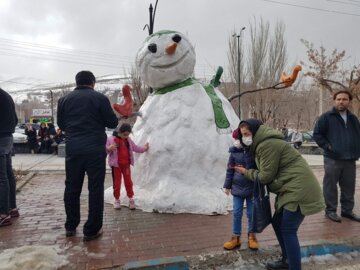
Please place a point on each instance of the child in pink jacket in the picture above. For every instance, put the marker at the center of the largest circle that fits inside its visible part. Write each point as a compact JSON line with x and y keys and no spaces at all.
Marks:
{"x":120,"y":149}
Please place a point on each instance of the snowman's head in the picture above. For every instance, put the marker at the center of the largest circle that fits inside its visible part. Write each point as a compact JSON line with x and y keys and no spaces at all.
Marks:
{"x":166,"y":58}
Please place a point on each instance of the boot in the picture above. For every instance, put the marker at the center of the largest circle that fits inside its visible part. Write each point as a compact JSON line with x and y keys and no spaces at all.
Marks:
{"x":233,"y":243}
{"x":252,"y":241}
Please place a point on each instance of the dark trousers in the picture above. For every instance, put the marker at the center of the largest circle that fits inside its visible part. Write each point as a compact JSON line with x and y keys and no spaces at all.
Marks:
{"x":344,"y":173}
{"x":76,"y":166}
{"x":286,"y":225}
{"x":7,"y":179}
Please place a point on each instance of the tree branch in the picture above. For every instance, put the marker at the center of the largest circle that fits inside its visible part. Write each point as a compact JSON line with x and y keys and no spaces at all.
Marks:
{"x":274,"y":87}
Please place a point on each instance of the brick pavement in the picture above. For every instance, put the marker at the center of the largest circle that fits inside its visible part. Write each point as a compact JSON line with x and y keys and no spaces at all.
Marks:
{"x":135,"y":235}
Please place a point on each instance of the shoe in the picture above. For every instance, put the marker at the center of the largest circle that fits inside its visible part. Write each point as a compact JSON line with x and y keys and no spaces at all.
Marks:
{"x":277,"y":265}
{"x":333,"y":217}
{"x":351,"y":216}
{"x":14,"y":212}
{"x":92,"y":237}
{"x":233,"y":243}
{"x":132,"y":204}
{"x":5,"y":221}
{"x":70,"y":233}
{"x":117,"y":204}
{"x":252,"y":241}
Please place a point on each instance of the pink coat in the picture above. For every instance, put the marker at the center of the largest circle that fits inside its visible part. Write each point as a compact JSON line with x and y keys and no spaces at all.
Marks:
{"x":113,"y":156}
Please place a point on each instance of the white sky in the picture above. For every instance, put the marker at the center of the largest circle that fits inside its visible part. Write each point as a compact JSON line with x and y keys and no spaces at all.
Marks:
{"x":104,"y":36}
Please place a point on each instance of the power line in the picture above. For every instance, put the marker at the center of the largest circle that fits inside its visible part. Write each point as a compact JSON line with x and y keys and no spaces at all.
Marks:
{"x":312,"y":8}
{"x":36,"y":45}
{"x":345,"y":3}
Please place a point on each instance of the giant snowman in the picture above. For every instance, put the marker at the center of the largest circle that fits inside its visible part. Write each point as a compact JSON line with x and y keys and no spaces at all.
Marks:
{"x":188,"y":127}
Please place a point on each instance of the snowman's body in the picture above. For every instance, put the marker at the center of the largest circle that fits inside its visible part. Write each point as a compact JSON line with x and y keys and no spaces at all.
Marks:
{"x":184,"y":169}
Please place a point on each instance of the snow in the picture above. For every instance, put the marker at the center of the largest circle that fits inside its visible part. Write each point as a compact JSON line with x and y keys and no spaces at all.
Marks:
{"x":32,"y":257}
{"x":184,"y":169}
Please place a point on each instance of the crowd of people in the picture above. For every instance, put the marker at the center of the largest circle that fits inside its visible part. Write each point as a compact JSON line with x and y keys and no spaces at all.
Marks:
{"x":45,"y":140}
{"x":259,"y":153}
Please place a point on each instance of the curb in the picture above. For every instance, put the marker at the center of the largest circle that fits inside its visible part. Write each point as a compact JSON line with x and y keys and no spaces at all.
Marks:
{"x":173,"y":263}
{"x":23,"y":182}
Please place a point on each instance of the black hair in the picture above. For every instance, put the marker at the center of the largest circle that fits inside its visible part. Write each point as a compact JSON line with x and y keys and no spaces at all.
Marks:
{"x":343,"y":92}
{"x":125,"y":128}
{"x":85,"y":77}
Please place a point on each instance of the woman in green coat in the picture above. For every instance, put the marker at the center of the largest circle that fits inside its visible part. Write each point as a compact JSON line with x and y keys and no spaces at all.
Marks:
{"x":287,"y":174}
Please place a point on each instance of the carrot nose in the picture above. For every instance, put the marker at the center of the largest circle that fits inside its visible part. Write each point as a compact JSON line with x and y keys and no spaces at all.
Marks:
{"x":171,"y":48}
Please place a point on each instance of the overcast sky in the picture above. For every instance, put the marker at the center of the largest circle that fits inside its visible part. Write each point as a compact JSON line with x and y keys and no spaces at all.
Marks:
{"x":49,"y":41}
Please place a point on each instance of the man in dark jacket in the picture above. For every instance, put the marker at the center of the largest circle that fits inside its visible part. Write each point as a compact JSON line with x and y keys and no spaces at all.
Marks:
{"x":83,"y":115}
{"x":338,"y":132}
{"x":8,"y":121}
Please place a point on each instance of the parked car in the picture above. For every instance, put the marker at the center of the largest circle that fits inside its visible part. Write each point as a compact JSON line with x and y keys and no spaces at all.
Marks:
{"x":307,"y":137}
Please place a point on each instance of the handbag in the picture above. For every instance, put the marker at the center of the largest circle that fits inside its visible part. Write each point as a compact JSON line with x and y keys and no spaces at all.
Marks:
{"x":261,"y":212}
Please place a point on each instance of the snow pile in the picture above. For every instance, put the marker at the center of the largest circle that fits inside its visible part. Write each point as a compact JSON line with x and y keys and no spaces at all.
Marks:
{"x":32,"y":257}
{"x":184,"y":170}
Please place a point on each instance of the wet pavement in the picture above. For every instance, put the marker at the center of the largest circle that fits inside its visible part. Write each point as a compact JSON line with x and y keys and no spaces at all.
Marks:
{"x":135,"y":235}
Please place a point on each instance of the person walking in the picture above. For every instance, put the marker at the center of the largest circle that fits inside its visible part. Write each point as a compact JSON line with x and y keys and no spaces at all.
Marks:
{"x":83,"y":114}
{"x":337,"y":132}
{"x":286,"y":174}
{"x":241,"y":189}
{"x":8,"y":122}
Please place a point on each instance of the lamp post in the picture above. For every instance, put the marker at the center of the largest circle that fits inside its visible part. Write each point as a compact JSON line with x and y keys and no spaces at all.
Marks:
{"x":238,"y":36}
{"x":52,"y":106}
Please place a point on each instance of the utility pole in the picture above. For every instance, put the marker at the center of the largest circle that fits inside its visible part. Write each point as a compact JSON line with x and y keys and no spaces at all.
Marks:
{"x":239,"y":67}
{"x":52,"y":106}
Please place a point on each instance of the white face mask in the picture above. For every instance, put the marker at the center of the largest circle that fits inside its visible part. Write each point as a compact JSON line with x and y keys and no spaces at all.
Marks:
{"x":247,"y":140}
{"x":237,"y":144}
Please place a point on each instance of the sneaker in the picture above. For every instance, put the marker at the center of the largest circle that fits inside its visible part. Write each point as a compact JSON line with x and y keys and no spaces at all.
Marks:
{"x":132,"y":204}
{"x":117,"y":204}
{"x":5,"y":220}
{"x":14,"y":212}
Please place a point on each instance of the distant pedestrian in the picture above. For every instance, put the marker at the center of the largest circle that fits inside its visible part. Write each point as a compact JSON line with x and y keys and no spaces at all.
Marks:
{"x":287,"y":174}
{"x":120,"y":149}
{"x":43,"y":137}
{"x":241,"y":189}
{"x":83,"y":114}
{"x":297,"y":138}
{"x":8,"y":122}
{"x":30,"y":132}
{"x":338,"y":133}
{"x":285,"y":131}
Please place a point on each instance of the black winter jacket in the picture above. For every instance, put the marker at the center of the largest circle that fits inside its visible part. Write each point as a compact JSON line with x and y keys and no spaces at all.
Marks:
{"x":238,"y":183}
{"x":8,"y":118}
{"x":83,"y":114}
{"x":340,"y":141}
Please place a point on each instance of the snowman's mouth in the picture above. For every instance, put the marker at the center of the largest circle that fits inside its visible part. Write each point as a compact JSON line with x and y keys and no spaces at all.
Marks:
{"x":171,"y":64}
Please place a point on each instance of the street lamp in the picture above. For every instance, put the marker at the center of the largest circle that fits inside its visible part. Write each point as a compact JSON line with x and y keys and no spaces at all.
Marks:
{"x":238,"y":64}
{"x":52,"y":106}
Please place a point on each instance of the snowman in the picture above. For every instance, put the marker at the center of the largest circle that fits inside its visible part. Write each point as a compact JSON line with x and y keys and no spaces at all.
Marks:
{"x":188,"y":127}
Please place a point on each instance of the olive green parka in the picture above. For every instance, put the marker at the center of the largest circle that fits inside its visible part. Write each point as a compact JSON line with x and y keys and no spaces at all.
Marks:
{"x":286,"y":173}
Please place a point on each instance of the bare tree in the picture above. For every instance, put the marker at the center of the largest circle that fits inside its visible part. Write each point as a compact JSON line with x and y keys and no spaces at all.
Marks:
{"x":325,"y":70}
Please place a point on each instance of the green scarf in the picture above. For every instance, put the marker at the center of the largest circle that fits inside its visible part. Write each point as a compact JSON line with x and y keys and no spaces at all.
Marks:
{"x":221,"y":121}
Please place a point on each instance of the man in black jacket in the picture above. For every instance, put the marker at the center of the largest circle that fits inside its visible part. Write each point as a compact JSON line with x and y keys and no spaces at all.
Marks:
{"x":83,"y":115}
{"x":8,"y":121}
{"x":338,"y":133}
